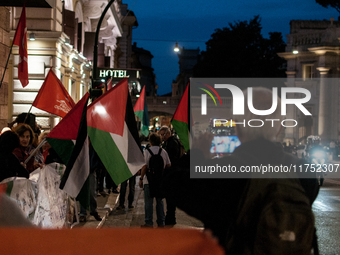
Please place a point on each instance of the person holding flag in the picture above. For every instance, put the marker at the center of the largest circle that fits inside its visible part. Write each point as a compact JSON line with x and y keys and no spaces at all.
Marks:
{"x":26,"y":138}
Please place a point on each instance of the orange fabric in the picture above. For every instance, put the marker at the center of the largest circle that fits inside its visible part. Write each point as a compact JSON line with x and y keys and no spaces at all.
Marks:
{"x":107,"y":241}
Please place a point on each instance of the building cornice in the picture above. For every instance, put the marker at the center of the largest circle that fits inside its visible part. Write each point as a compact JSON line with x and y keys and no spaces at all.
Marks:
{"x":324,"y":49}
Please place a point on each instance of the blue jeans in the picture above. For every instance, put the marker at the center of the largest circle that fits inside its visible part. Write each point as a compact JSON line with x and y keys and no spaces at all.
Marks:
{"x":149,"y":208}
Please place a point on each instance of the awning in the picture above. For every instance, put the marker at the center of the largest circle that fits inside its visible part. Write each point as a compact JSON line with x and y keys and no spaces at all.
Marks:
{"x":30,"y":3}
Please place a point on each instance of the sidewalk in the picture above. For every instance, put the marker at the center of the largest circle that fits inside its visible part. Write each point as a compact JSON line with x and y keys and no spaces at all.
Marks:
{"x":135,"y":217}
{"x":105,"y":206}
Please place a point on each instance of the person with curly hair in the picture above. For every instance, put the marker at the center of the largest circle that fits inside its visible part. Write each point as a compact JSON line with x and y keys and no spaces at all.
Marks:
{"x":22,"y":152}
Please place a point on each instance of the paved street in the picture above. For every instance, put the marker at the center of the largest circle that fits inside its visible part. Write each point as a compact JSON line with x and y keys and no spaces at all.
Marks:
{"x":327,"y":216}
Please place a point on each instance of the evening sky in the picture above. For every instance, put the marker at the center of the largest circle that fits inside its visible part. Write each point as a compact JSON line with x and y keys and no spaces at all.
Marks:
{"x":191,"y":23}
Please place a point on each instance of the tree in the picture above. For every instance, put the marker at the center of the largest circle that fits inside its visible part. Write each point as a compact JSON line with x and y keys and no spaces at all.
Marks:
{"x":332,"y":3}
{"x":240,"y":50}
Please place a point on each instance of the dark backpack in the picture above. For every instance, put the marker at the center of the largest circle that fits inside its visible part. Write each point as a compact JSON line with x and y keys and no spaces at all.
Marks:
{"x":274,"y":217}
{"x":154,"y":173}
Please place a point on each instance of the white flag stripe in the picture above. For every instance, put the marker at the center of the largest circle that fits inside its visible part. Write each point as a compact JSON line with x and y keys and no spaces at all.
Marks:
{"x":79,"y":172}
{"x":129,"y":149}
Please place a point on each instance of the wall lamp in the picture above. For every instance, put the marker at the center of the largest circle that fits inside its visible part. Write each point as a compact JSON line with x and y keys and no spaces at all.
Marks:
{"x":32,"y":36}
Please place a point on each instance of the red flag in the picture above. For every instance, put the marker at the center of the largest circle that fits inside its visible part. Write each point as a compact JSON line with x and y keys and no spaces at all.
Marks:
{"x":20,"y":39}
{"x":53,"y":97}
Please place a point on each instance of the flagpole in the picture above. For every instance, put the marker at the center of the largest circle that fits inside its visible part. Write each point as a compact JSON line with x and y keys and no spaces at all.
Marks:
{"x":3,"y":75}
{"x":35,"y":150}
{"x":28,"y":113}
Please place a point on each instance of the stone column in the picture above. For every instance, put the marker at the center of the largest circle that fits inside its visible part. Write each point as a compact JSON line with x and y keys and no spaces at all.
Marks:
{"x":325,"y":105}
{"x":290,"y":135}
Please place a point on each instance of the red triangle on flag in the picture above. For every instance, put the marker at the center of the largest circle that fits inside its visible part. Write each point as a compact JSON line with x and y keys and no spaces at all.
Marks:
{"x":53,"y":97}
{"x":181,"y":113}
{"x":68,"y":127}
{"x":107,"y":113}
{"x":139,"y":106}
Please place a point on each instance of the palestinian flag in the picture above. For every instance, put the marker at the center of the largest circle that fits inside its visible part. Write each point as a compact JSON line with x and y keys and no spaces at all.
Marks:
{"x":141,"y":110}
{"x":113,"y":133}
{"x":180,"y":120}
{"x":69,"y":140}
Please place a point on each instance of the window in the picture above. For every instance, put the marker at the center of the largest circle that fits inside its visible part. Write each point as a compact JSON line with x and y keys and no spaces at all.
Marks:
{"x":72,"y":89}
{"x":307,"y":71}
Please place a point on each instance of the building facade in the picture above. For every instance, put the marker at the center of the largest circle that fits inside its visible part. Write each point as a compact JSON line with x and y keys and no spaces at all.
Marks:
{"x":4,"y":51}
{"x":313,"y":62}
{"x":62,"y":39}
{"x":188,"y":58}
{"x":141,"y":59}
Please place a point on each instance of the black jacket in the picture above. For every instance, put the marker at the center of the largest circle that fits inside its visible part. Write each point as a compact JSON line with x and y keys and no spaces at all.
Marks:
{"x":11,"y":167}
{"x":215,"y":201}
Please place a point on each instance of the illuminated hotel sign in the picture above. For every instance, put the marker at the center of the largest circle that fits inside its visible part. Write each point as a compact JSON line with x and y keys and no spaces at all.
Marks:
{"x":119,"y":73}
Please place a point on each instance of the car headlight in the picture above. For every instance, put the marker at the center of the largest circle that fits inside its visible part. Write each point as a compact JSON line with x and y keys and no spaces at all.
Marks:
{"x":319,"y":154}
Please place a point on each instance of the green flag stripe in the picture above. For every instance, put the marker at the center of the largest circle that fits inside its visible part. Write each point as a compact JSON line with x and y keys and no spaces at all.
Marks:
{"x":140,"y":114}
{"x":63,"y":147}
{"x":182,"y":130}
{"x":9,"y":188}
{"x":144,"y":128}
{"x":109,"y":154}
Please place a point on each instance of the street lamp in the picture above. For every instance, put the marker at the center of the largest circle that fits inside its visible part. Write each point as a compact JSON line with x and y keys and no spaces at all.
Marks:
{"x":177,"y":49}
{"x":95,"y":51}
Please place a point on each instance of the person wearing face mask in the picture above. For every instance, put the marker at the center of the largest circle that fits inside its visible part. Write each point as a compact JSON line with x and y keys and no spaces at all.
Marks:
{"x":22,"y":152}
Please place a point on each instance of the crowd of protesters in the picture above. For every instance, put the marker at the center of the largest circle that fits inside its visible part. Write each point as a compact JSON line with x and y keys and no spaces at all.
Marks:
{"x":19,"y":157}
{"x":243,"y":205}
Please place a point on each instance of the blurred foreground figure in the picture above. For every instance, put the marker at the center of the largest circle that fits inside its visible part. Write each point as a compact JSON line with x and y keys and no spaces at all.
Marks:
{"x":249,"y":215}
{"x":11,"y":215}
{"x":9,"y":164}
